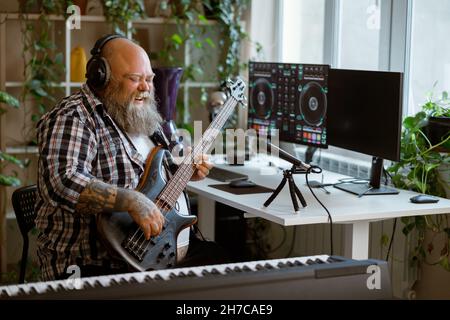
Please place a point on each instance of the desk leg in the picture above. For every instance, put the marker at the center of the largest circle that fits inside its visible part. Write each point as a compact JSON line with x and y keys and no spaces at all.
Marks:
{"x":207,"y":217}
{"x":356,"y":244}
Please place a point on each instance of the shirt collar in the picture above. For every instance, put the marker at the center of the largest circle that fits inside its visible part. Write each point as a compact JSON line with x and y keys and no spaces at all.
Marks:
{"x":92,"y":99}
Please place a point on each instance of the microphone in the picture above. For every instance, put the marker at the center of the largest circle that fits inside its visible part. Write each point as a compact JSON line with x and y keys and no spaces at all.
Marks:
{"x":288,"y":157}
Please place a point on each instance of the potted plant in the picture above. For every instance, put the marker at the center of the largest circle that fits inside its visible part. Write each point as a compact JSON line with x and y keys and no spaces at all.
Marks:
{"x":419,"y":170}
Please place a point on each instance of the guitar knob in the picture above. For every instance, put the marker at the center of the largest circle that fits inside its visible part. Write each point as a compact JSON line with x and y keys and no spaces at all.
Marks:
{"x":172,"y":254}
{"x":167,"y":246}
{"x":161,"y":255}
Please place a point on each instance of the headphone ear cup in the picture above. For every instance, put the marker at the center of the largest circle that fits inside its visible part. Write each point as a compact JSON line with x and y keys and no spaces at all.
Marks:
{"x":98,"y":72}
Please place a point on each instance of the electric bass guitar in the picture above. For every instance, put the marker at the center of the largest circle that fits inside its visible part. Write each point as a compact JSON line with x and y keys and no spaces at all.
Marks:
{"x":123,"y":237}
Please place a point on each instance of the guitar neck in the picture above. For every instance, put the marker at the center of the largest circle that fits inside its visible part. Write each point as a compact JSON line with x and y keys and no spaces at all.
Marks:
{"x":186,"y":169}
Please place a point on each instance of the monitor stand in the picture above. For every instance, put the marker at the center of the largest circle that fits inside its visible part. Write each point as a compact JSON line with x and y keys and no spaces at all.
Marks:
{"x":374,"y":186}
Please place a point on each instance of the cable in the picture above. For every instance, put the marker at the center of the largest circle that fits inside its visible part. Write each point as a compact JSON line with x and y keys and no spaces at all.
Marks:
{"x":392,"y":239}
{"x":317,"y":169}
{"x":282,"y":241}
{"x":294,"y":235}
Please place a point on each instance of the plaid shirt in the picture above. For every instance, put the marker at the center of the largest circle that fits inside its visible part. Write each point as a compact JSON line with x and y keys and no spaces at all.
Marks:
{"x":78,"y":141}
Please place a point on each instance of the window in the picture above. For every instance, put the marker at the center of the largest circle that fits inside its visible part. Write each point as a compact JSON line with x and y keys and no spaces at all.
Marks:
{"x":302,"y":31}
{"x":430,"y":51}
{"x":360,"y":26}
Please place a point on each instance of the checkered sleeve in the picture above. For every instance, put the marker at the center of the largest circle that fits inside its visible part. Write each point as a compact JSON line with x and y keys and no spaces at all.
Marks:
{"x":67,"y":149}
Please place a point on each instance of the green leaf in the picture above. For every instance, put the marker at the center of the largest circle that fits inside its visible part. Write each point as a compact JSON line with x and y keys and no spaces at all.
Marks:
{"x":7,"y":157}
{"x":198,"y":44}
{"x":9,"y":181}
{"x":408,"y":228}
{"x":384,"y":241}
{"x":210,"y":42}
{"x":176,"y":38}
{"x":8,"y":99}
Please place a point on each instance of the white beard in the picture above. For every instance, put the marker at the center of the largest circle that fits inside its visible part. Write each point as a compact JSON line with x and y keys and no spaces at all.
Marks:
{"x":132,"y":118}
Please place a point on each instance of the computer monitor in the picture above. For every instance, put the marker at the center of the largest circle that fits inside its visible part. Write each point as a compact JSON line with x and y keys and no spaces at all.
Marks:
{"x":365,"y":115}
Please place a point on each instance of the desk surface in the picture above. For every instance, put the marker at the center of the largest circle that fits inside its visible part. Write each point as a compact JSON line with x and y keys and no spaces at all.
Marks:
{"x":344,"y":207}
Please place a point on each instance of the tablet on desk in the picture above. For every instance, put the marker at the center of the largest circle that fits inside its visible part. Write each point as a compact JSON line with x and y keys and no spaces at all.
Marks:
{"x":225,"y":175}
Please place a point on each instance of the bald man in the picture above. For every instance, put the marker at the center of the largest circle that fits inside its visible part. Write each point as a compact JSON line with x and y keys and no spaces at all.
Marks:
{"x":93,"y":146}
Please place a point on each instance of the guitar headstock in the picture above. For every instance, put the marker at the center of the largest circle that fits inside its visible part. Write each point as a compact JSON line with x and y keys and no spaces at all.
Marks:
{"x":236,"y":89}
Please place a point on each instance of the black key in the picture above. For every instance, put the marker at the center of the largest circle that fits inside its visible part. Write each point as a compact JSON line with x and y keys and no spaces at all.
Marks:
{"x":158,"y":277}
{"x":228,"y":270}
{"x":246,"y":268}
{"x":281,"y":265}
{"x":182,"y":274}
{"x":259,"y":267}
{"x":133,"y":280}
{"x":237,"y":269}
{"x":205,"y":272}
{"x":113,"y":282}
{"x":97,"y":284}
{"x":215,"y":271}
{"x":148,"y":279}
{"x":298,"y":263}
{"x":269,"y":266}
{"x":309,"y":261}
{"x":319,"y":261}
{"x":172,"y":275}
{"x":290,"y":263}
{"x":191,"y":274}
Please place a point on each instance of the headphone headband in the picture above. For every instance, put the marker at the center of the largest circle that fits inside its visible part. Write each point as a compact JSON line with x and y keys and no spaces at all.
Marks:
{"x":100,"y":43}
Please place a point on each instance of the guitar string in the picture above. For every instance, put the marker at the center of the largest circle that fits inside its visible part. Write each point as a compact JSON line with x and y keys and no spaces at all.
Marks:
{"x":171,"y":191}
{"x":185,"y":174}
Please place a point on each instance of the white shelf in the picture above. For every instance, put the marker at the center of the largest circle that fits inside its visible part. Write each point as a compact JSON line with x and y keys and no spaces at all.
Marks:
{"x":19,"y":84}
{"x":199,"y":84}
{"x":88,"y":18}
{"x":22,"y":150}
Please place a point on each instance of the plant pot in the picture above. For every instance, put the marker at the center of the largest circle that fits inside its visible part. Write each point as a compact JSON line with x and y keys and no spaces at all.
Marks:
{"x":166,"y":82}
{"x":437,"y":129}
{"x":82,"y":4}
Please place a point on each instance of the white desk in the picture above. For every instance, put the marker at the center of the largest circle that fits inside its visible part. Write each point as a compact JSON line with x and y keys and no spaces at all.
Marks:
{"x":345,"y":208}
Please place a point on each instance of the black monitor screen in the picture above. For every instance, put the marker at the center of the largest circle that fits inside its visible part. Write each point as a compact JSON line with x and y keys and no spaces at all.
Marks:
{"x":365,"y":111}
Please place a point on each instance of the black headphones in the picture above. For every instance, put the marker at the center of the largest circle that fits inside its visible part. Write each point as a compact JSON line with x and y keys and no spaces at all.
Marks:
{"x":98,"y":71}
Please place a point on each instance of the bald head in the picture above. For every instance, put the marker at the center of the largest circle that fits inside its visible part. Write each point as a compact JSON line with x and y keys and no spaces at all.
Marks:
{"x":126,"y":57}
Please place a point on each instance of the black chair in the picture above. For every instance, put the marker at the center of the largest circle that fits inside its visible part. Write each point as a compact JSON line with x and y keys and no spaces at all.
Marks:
{"x":23,"y":200}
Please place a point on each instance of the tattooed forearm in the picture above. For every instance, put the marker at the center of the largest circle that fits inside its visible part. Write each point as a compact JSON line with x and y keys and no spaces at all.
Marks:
{"x":97,"y":197}
{"x":102,"y":197}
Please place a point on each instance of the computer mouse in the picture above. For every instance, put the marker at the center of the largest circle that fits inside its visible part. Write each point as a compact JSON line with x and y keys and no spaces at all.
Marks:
{"x":242,"y":184}
{"x":423,"y":198}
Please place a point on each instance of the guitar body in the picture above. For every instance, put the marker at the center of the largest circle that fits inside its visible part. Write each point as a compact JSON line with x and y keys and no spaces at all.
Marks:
{"x":126,"y":240}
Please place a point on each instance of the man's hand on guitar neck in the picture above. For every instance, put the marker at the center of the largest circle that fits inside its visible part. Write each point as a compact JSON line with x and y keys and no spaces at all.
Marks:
{"x":202,"y":167}
{"x":98,"y":197}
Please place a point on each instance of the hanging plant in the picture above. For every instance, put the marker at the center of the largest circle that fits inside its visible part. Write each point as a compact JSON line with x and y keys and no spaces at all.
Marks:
{"x":120,"y":12}
{"x":42,"y":60}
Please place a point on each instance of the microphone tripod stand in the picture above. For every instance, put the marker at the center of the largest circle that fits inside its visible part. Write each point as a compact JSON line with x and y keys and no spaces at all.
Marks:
{"x":294,"y":190}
